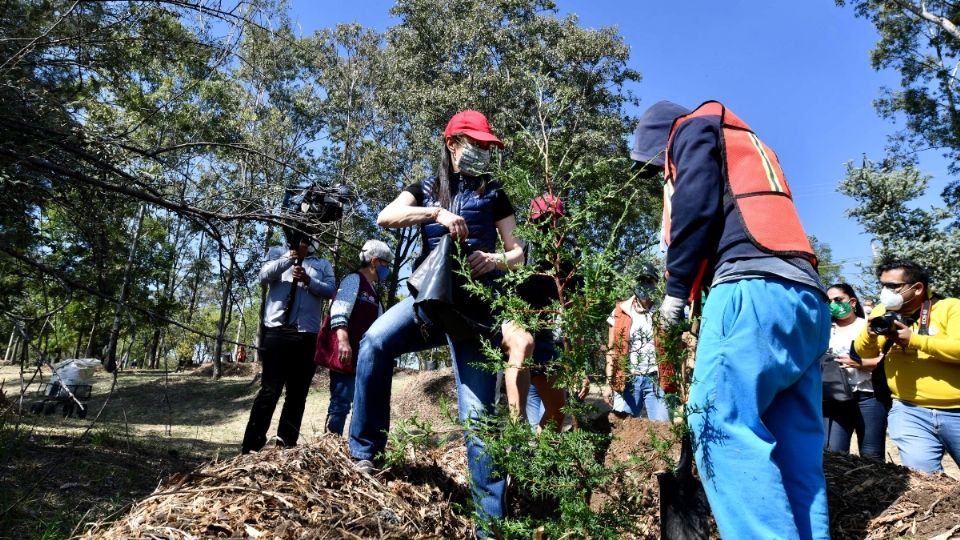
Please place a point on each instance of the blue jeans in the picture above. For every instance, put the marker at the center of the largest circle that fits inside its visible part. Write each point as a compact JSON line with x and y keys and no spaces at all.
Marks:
{"x":863,"y":415}
{"x":394,"y":333}
{"x":535,"y":407}
{"x":341,"y":397}
{"x":755,"y":409}
{"x":642,"y":393}
{"x":922,"y":435}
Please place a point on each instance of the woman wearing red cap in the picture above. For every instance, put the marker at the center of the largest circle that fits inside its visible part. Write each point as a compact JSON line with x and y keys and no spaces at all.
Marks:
{"x":463,"y":201}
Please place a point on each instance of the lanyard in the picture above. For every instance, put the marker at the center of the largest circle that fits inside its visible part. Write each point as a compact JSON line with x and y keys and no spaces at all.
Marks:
{"x":925,"y":318}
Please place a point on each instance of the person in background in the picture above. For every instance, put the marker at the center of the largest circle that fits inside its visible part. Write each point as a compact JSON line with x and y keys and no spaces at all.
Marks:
{"x":539,"y":291}
{"x":461,"y":200}
{"x":754,"y":407}
{"x":921,"y":354}
{"x":863,"y":415}
{"x":636,"y":390}
{"x":354,"y":309}
{"x":291,"y":320}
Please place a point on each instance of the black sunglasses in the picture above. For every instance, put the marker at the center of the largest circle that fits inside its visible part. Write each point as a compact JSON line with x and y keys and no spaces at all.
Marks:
{"x":892,"y":285}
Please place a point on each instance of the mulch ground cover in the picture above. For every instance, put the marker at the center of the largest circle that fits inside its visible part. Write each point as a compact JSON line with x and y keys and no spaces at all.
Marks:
{"x":311,"y":491}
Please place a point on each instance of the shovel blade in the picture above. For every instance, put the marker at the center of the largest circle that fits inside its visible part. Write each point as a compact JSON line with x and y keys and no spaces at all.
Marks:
{"x":684,"y":510}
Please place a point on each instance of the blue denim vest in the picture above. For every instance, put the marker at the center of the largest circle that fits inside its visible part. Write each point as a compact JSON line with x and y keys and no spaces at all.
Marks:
{"x":475,"y":208}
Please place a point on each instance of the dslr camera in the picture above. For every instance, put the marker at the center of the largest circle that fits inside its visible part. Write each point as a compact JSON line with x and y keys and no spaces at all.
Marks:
{"x":884,"y":325}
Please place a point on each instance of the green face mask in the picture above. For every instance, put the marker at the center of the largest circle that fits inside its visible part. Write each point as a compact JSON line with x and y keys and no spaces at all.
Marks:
{"x":839,"y":310}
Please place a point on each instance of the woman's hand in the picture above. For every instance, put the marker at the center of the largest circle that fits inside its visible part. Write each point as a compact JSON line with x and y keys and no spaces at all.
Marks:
{"x":845,"y":361}
{"x":482,"y":262}
{"x":454,"y":223}
{"x":345,"y":351}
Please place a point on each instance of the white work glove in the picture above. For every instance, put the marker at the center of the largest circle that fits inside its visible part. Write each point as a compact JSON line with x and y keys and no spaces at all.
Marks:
{"x":671,"y":311}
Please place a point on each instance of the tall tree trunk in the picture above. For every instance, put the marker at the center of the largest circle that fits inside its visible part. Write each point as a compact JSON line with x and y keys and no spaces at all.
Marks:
{"x":17,"y":343}
{"x":151,"y":353}
{"x":406,"y":238}
{"x":6,"y":353}
{"x":225,"y":302}
{"x":111,"y":357}
{"x":92,"y":341}
{"x":155,"y":361}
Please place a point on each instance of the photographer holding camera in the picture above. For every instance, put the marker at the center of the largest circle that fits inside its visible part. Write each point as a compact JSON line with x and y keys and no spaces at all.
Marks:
{"x":298,"y":282}
{"x":919,"y":336}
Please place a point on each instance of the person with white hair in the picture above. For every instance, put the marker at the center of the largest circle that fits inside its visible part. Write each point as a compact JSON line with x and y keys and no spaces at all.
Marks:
{"x":354,"y":309}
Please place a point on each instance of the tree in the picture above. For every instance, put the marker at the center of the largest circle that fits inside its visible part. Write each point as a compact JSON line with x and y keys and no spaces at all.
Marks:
{"x":922,"y":42}
{"x":883,"y":195}
{"x":556,"y":93}
{"x":830,"y":272}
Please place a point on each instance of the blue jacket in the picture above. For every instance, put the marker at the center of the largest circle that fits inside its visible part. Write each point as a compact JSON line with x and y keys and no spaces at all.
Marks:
{"x":705,"y":222}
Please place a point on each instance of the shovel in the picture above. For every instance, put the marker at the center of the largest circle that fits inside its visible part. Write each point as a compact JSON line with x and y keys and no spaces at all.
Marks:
{"x":684,"y":511}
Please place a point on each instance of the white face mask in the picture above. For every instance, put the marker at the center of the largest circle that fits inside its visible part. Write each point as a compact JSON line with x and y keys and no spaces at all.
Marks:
{"x":891,"y":300}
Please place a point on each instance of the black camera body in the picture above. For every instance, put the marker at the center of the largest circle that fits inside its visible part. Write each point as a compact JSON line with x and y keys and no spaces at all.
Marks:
{"x":884,"y":325}
{"x":306,"y":210}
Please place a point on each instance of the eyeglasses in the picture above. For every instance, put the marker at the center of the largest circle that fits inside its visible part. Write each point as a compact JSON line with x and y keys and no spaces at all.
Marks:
{"x":892,"y":286}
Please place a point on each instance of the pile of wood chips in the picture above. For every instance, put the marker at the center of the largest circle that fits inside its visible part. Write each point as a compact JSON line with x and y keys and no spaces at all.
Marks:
{"x":310,"y":491}
{"x":873,"y":500}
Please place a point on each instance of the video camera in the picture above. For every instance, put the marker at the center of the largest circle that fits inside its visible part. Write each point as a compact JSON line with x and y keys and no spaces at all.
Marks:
{"x":305,"y":210}
{"x":884,"y":325}
{"x":303,"y":213}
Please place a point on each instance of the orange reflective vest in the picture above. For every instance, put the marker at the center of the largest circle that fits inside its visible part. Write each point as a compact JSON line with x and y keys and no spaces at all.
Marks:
{"x":754,"y":181}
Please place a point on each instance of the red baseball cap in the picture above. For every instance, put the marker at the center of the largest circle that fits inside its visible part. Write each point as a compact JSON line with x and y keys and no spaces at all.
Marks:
{"x":473,"y":124}
{"x":546,"y":204}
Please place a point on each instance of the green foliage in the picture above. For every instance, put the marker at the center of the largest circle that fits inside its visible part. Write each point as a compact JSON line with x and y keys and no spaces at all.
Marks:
{"x":925,"y":52}
{"x":830,"y":272}
{"x":407,"y":436}
{"x":886,"y":208}
{"x":557,"y":473}
{"x":921,"y":41}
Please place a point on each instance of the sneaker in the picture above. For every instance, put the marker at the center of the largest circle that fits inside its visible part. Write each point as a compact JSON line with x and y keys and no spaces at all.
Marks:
{"x":365,"y":466}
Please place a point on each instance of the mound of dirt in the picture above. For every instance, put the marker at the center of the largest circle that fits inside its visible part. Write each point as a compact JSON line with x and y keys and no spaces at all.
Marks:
{"x":422,"y":393}
{"x":310,"y":491}
{"x":229,"y":369}
{"x":867,"y":499}
{"x":643,"y":448}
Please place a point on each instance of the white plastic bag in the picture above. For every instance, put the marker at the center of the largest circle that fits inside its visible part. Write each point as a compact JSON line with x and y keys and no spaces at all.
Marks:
{"x":75,"y":371}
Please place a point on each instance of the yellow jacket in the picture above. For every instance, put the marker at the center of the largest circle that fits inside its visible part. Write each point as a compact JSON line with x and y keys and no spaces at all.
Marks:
{"x":927,"y":371}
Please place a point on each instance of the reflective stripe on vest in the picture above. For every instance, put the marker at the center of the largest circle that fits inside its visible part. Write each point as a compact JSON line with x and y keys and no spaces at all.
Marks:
{"x":755,"y":181}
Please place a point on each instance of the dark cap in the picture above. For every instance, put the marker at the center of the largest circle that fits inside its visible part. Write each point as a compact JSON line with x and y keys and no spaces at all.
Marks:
{"x":650,"y":137}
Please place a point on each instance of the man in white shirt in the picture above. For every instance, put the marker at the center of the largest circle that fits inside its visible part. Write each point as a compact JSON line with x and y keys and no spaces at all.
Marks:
{"x":636,"y":389}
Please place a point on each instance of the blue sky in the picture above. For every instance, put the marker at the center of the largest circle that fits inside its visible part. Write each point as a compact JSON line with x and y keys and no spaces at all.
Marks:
{"x":798,"y":72}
